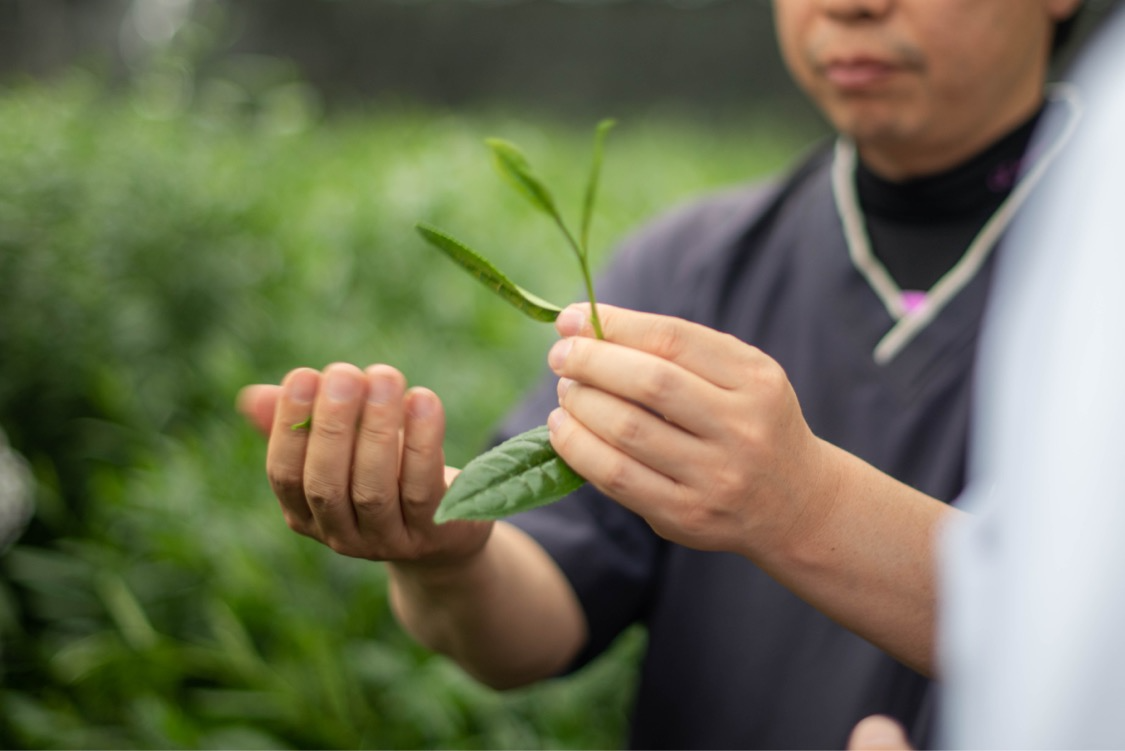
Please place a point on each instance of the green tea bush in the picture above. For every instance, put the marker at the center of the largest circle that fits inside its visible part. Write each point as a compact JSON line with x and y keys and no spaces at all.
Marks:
{"x":151,"y":266}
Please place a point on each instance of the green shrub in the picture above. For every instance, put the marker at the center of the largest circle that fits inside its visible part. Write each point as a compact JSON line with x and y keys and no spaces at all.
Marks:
{"x":150,"y":267}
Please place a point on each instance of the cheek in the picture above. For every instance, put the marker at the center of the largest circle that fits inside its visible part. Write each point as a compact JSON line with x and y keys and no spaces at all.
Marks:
{"x":791,"y":26}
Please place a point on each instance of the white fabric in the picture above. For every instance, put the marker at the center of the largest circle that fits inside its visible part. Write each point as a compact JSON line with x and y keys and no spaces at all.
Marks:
{"x":1033,"y":619}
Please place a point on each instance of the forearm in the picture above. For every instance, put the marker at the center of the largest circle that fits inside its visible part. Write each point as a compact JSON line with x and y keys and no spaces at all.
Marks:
{"x":508,"y":616}
{"x":868,"y":561}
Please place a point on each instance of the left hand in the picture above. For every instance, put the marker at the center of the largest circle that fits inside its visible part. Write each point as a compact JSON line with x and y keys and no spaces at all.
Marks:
{"x":696,"y":431}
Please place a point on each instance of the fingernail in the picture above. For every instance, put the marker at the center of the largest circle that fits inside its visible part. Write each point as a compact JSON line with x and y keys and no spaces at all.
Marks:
{"x":380,"y":391}
{"x":421,"y":405}
{"x":557,"y":356}
{"x":340,"y":387}
{"x":556,"y":419}
{"x":564,"y":386}
{"x":571,"y":322}
{"x":301,"y":388}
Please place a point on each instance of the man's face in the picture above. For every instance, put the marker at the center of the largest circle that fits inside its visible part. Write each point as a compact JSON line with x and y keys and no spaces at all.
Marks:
{"x":920,"y":84}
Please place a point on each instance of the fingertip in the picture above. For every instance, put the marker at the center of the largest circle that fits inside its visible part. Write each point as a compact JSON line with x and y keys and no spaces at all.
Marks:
{"x":384,"y":384}
{"x":422,"y":403}
{"x":572,"y":320}
{"x":556,"y":419}
{"x":344,"y":383}
{"x":878,"y":733}
{"x":257,"y":403}
{"x":300,"y":385}
{"x":556,"y":357}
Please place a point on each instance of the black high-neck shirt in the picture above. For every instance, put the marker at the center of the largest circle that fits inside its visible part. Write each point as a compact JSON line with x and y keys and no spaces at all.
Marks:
{"x":950,"y":208}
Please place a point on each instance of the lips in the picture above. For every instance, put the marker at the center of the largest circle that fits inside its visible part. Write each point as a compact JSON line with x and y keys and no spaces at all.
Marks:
{"x":859,"y":74}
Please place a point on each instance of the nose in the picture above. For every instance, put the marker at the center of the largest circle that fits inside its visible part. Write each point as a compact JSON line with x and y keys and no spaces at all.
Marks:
{"x":855,"y":10}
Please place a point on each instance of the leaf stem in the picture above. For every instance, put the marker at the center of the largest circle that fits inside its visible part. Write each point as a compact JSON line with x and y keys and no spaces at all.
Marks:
{"x":580,"y":252}
{"x":595,"y":321}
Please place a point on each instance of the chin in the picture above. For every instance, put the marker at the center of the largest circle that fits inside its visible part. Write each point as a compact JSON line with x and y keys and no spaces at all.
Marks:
{"x":877,"y":123}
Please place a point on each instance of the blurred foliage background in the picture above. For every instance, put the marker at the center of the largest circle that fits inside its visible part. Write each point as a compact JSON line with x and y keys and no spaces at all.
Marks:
{"x":181,"y":216}
{"x":196,"y":195}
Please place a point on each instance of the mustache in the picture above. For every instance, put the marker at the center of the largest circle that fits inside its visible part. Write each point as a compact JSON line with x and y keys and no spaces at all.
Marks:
{"x":897,"y":52}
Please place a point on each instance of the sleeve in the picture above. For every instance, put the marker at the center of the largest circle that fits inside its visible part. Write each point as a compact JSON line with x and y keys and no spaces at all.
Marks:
{"x":610,"y":555}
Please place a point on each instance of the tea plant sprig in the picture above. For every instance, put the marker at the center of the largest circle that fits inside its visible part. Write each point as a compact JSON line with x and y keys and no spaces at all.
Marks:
{"x":525,"y":471}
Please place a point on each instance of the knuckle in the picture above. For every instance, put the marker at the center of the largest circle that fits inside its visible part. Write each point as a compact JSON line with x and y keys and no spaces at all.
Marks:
{"x":654,"y":386}
{"x":422,"y":447}
{"x":696,"y":519}
{"x":752,"y":438}
{"x":727,"y":482}
{"x":768,"y":375}
{"x":627,"y":430}
{"x":665,"y":339}
{"x":285,"y":482}
{"x":378,"y":433}
{"x":331,"y":428}
{"x":321,"y":494}
{"x":370,"y":497}
{"x":416,"y":490}
{"x":616,"y":477}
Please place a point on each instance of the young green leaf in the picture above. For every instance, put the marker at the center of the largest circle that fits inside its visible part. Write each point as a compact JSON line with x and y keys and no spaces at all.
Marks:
{"x":604,"y":127}
{"x":531,"y":305}
{"x":524,"y":472}
{"x":513,"y":165}
{"x":520,"y":474}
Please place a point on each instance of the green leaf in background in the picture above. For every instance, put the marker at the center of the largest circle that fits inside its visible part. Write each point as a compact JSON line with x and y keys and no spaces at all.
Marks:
{"x":531,"y":305}
{"x":515,"y":168}
{"x":520,"y":474}
{"x":604,"y":127}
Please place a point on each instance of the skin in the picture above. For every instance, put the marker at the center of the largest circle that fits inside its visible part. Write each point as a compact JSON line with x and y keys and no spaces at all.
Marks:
{"x":878,"y":733}
{"x":705,"y":439}
{"x":365,"y":480}
{"x":697,"y":432}
{"x":920,"y":85}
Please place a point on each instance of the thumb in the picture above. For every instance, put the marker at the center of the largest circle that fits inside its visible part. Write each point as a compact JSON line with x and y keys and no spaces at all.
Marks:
{"x":876,"y":733}
{"x":257,"y":403}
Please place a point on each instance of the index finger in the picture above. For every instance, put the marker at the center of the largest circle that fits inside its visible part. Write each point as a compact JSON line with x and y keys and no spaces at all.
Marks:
{"x":714,"y":356}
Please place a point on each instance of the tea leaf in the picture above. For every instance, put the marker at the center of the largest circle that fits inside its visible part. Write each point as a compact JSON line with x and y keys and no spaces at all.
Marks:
{"x":604,"y":127}
{"x":513,"y":165}
{"x":520,"y":474}
{"x":531,"y":305}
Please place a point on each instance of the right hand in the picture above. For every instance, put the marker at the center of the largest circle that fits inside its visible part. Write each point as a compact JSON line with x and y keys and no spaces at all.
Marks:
{"x":366,"y":476}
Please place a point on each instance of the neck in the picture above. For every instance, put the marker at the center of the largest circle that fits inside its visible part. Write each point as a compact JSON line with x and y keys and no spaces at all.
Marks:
{"x":901,"y":160}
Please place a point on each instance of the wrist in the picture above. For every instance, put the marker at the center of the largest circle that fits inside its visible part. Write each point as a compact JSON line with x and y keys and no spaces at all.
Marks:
{"x":802,"y":539}
{"x":444,"y":571}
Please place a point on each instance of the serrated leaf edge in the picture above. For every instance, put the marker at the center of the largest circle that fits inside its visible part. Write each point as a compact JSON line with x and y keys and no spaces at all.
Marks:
{"x":538,"y":459}
{"x":486,"y":273}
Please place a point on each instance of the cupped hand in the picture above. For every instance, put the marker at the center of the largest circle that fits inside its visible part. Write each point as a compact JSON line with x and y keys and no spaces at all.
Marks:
{"x":698,"y":432}
{"x":366,"y":474}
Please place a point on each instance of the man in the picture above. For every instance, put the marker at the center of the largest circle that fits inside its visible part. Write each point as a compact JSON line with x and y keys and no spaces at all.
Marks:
{"x":757,"y":490}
